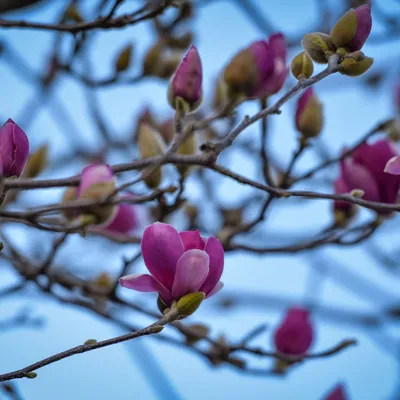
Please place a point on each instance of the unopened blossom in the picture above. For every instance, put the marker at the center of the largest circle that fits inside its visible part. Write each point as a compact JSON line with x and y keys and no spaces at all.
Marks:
{"x":295,"y":333}
{"x":302,"y":66}
{"x":124,"y":221}
{"x":309,"y":114}
{"x":318,"y":46}
{"x":187,"y":82}
{"x":179,"y":263}
{"x":259,"y":70}
{"x":98,"y":182}
{"x":353,"y":29}
{"x":365,"y":170}
{"x":337,"y":393}
{"x":14,"y":149}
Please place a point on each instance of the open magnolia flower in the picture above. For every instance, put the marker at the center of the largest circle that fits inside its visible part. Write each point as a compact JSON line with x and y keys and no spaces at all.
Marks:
{"x":179,"y":263}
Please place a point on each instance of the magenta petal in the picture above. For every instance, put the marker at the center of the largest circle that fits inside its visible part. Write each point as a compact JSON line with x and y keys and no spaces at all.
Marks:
{"x":191,"y":272}
{"x":393,"y":166}
{"x":161,"y":248}
{"x":188,"y":78}
{"x":145,"y":283}
{"x":263,"y":58}
{"x":215,"y":290}
{"x":124,"y":221}
{"x":278,"y":46}
{"x":295,"y":334}
{"x":302,"y":102}
{"x":338,"y":393}
{"x":95,"y":173}
{"x":357,"y":176}
{"x":364,"y":26}
{"x":375,"y":157}
{"x":192,"y":240}
{"x":341,"y":188}
{"x":14,"y":149}
{"x":216,"y":253}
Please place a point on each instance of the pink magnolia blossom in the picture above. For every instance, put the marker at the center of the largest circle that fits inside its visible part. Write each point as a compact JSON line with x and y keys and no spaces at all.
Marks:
{"x":274,"y":81}
{"x":94,"y":174}
{"x":188,"y":80}
{"x":14,"y":149}
{"x":124,"y":221}
{"x":364,"y":26}
{"x":337,"y":393}
{"x":179,"y":263}
{"x":371,"y":168}
{"x":295,"y":334}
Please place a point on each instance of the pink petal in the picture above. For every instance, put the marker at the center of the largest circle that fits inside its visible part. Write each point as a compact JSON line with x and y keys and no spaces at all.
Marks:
{"x":14,"y":149}
{"x":124,"y":221}
{"x":188,"y":78}
{"x":192,"y":240}
{"x":216,"y":289}
{"x":375,"y":157}
{"x":191,"y":272}
{"x":302,"y":103}
{"x":341,"y":188}
{"x":215,"y":251}
{"x":278,"y":46}
{"x":95,"y":173}
{"x":264,"y":59}
{"x":161,"y":248}
{"x":145,"y":283}
{"x":393,"y":166}
{"x":295,"y":334}
{"x":357,"y":176}
{"x":338,"y":393}
{"x":364,"y":26}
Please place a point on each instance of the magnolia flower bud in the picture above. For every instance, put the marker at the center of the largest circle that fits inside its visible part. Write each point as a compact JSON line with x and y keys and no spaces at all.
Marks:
{"x":241,"y":75}
{"x":180,"y":42}
{"x":14,"y":149}
{"x":186,"y":84}
{"x":188,"y":147}
{"x":353,"y":29}
{"x":337,"y":393}
{"x":70,"y":194}
{"x":152,"y":59}
{"x":98,"y":182}
{"x":351,"y":67}
{"x":167,"y":130}
{"x":258,"y":70}
{"x":37,"y":162}
{"x":293,"y":336}
{"x":145,"y":116}
{"x":302,"y":66}
{"x":220,"y":94}
{"x":318,"y":46}
{"x":309,"y":115}
{"x":168,"y":64}
{"x":150,"y":144}
{"x":124,"y":58}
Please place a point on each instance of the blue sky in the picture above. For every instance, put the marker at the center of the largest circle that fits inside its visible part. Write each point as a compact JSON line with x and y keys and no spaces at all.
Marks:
{"x":370,"y":370}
